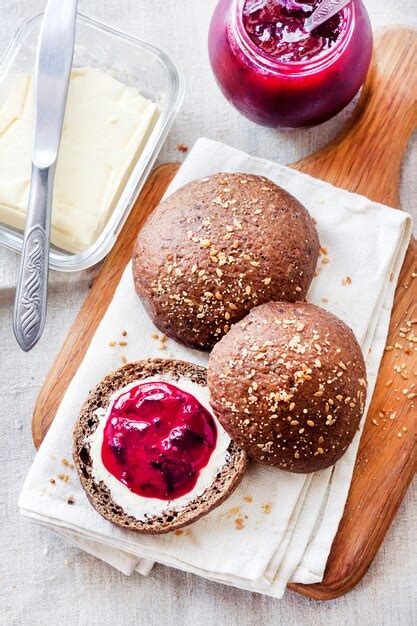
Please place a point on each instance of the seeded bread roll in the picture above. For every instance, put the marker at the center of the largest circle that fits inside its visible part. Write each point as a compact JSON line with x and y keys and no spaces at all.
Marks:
{"x":218,"y":247}
{"x":99,"y":495}
{"x":288,"y":384}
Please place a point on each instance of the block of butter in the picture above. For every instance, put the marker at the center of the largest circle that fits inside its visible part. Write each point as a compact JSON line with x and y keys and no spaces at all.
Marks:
{"x":106,"y":127}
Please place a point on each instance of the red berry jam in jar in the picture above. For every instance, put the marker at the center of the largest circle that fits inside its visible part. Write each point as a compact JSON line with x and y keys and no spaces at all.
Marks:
{"x":157,"y":439}
{"x":278,"y":74}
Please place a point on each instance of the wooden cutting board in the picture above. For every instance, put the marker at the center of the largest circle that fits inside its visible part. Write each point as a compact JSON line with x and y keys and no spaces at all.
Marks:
{"x":366,"y":159}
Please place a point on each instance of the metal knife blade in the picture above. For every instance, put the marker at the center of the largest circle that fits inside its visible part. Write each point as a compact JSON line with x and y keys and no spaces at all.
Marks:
{"x":53,"y":68}
{"x":324,"y":12}
{"x":52,"y":75}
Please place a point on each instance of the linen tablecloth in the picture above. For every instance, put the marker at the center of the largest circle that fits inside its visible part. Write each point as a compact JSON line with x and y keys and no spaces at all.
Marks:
{"x":42,"y":577}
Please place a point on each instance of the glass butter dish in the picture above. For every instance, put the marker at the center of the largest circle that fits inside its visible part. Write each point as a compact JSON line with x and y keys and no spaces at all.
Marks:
{"x":132,"y":62}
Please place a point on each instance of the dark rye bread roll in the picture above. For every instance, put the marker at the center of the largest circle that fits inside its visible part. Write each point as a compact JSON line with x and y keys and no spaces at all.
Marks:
{"x":288,"y":384}
{"x":99,"y":495}
{"x":218,"y":247}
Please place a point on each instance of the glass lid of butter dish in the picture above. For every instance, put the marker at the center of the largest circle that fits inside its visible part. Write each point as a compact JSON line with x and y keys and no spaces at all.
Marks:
{"x":123,"y":98}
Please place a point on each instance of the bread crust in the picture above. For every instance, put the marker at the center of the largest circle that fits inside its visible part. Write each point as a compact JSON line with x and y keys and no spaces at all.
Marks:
{"x":216,"y":248}
{"x":288,"y":383}
{"x":100,"y":496}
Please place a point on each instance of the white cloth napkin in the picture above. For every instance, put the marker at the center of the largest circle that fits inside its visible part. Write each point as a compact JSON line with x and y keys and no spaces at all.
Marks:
{"x":289,"y":521}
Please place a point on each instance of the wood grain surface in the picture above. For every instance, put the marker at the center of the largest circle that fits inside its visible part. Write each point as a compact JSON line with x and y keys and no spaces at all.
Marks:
{"x":366,"y":159}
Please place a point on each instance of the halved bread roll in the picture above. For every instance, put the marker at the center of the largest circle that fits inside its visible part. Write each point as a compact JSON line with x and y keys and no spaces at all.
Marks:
{"x":109,"y":499}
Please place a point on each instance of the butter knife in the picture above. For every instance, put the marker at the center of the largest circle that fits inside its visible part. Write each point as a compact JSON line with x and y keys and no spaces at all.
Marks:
{"x":52,"y":74}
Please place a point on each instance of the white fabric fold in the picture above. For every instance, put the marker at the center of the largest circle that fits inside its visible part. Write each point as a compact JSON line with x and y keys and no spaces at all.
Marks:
{"x":289,"y":521}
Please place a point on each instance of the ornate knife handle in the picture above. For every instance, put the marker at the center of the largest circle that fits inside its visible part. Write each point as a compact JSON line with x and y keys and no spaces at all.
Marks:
{"x":31,"y":294}
{"x":324,"y":11}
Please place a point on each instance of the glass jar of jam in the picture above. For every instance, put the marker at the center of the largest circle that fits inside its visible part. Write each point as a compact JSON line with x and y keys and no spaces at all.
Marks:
{"x":275,"y":72}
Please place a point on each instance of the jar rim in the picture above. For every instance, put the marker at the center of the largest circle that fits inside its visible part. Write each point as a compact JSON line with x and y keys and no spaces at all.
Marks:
{"x":298,"y":67}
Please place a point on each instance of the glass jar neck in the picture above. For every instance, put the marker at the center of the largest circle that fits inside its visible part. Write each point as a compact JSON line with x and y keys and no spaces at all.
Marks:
{"x":263,"y":59}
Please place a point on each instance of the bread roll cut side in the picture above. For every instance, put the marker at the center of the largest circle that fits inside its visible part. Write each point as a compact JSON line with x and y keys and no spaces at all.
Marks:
{"x":100,"y":496}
